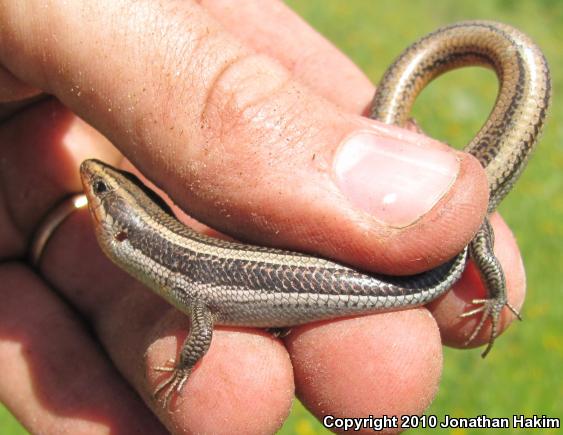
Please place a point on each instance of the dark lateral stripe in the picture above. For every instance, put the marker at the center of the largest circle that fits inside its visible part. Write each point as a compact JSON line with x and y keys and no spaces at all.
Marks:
{"x":264,"y":277}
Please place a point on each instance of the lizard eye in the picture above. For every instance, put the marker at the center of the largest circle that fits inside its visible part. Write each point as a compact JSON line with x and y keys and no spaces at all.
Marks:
{"x":100,"y":187}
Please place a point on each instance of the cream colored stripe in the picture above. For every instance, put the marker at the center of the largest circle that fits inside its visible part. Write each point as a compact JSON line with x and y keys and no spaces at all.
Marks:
{"x":229,"y":253}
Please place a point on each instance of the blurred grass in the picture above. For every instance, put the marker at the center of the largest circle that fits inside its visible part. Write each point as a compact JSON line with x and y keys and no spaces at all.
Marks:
{"x":524,"y":373}
{"x":8,"y":424}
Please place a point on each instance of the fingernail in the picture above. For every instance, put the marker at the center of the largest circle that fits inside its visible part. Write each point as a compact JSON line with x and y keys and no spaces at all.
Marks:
{"x":395,"y":181}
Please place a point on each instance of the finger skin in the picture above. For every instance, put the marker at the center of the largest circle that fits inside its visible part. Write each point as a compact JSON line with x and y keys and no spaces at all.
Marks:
{"x":212,"y":143}
{"x":12,"y":89}
{"x":280,"y":33}
{"x":54,"y":377}
{"x":369,"y":363}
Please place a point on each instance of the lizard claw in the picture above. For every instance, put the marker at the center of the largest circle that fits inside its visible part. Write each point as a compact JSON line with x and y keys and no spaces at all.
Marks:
{"x":174,"y":383}
{"x":491,"y":308}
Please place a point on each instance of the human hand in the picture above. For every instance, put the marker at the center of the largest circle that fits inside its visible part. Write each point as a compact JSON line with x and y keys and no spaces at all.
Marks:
{"x":252,"y":147}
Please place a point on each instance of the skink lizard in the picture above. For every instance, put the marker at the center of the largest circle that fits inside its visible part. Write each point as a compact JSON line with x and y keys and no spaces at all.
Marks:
{"x":219,"y":282}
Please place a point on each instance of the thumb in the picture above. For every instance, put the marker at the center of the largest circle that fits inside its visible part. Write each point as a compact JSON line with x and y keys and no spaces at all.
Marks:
{"x":238,"y":144}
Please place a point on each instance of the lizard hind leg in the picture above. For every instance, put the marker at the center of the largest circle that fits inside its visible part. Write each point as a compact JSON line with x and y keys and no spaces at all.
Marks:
{"x":492,"y":275}
{"x":193,"y":349}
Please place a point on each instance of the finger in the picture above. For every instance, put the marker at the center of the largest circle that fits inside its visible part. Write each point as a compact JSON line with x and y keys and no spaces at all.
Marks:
{"x":277,"y":31}
{"x":54,"y":377}
{"x":389,"y":364}
{"x":130,"y":322}
{"x":455,"y":330}
{"x":244,"y":141}
{"x":40,"y":168}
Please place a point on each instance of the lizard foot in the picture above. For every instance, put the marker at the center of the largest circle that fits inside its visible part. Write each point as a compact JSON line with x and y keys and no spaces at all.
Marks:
{"x":491,"y":308}
{"x":279,"y":332}
{"x":174,"y":383}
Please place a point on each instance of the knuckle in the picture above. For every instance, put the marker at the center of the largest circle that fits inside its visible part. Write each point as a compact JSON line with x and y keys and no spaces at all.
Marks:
{"x":243,"y":96}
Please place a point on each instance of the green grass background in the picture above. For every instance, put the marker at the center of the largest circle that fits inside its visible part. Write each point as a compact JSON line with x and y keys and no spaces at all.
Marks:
{"x":524,"y":373}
